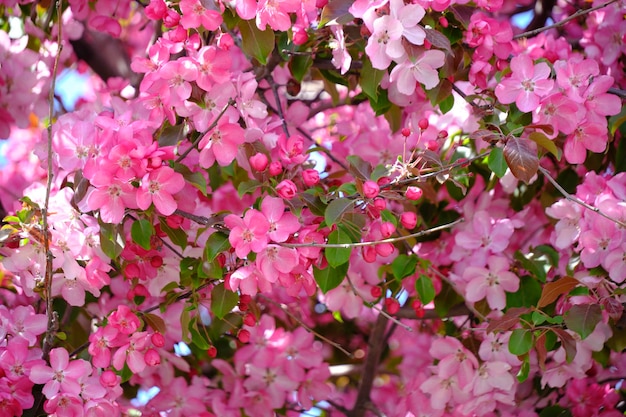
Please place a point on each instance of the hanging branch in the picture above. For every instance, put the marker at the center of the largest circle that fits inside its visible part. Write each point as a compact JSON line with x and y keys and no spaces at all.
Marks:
{"x":577,"y":200}
{"x":576,"y":15}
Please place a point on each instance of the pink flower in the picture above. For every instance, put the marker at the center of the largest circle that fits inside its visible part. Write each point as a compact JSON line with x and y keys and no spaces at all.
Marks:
{"x":281,"y":223}
{"x":310,"y":177}
{"x":124,"y":320}
{"x":590,"y":134}
{"x":489,"y":36}
{"x":276,"y":260}
{"x":111,"y":196}
{"x":221,"y":144}
{"x":370,"y":189}
{"x":421,"y":68}
{"x":491,"y":282}
{"x":62,"y":375}
{"x":213,"y":67}
{"x":559,"y":111}
{"x":100,"y":344}
{"x":259,"y":162}
{"x":132,"y":353}
{"x":526,"y":85}
{"x":157,"y":187}
{"x":248,"y":234}
{"x":196,"y":15}
{"x":287,"y":189}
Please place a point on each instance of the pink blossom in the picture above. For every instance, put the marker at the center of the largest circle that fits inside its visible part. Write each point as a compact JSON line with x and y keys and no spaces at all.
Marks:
{"x":421,"y":68}
{"x":286,"y":189}
{"x":590,"y":134}
{"x":527,"y":84}
{"x":489,"y":36}
{"x":248,"y":234}
{"x":124,"y":320}
{"x":491,"y":282}
{"x":213,"y":67}
{"x":111,"y":197}
{"x":559,"y":111}
{"x":221,"y":144}
{"x":275,"y":260}
{"x":100,"y":344}
{"x":249,"y":281}
{"x":196,"y":15}
{"x":64,"y":404}
{"x":62,"y":375}
{"x":158,"y":187}
{"x":281,"y":223}
{"x":132,"y":353}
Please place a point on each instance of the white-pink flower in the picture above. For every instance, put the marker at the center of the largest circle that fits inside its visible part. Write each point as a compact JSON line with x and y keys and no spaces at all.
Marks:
{"x":491,"y":283}
{"x":421,"y":68}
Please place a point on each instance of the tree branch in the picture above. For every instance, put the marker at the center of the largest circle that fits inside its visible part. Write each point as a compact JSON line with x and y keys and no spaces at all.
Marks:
{"x":576,"y":15}
{"x":375,"y":349}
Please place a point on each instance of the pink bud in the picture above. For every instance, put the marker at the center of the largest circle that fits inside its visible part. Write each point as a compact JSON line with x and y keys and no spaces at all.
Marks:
{"x":443,"y":21}
{"x":300,"y":37}
{"x":286,"y":189}
{"x":249,"y":319}
{"x":158,"y":340}
{"x":259,"y":162}
{"x":380,"y":204}
{"x":243,"y":335}
{"x":392,"y":305}
{"x":408,"y":220}
{"x":171,"y":19}
{"x":225,"y":41}
{"x":370,"y":189}
{"x":406,"y":132}
{"x":423,"y":124}
{"x":311,"y":177}
{"x":108,"y":379}
{"x":212,"y":351}
{"x":275,"y":168}
{"x":414,"y":193}
{"x":387,"y":229}
{"x":152,"y":357}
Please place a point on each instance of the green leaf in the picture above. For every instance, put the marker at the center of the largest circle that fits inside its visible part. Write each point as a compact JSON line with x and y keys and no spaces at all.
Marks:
{"x":247,"y":187}
{"x":370,"y":79}
{"x":555,"y":411}
{"x":542,"y":140}
{"x":336,"y":209}
{"x":338,"y":256}
{"x":256,"y":43}
{"x":112,"y":239}
{"x":177,"y":236}
{"x":520,"y":342}
{"x":446,"y":299}
{"x":329,"y":278}
{"x":141,"y":231}
{"x":197,"y":338}
{"x":216,"y":244}
{"x":403,"y":266}
{"x":194,"y":178}
{"x":496,"y":162}
{"x":583,"y":318}
{"x":527,"y":295}
{"x":425,"y":289}
{"x":299,"y":65}
{"x":222,"y":300}
{"x":446,"y":104}
{"x":524,"y":371}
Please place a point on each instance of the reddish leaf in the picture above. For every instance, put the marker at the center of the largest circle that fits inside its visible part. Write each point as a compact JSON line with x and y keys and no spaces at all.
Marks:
{"x":568,"y":343}
{"x":542,"y":353}
{"x":583,"y":318}
{"x":508,"y":320}
{"x":438,"y":40}
{"x":521,"y":158}
{"x":553,"y":290}
{"x":613,"y":307}
{"x":549,"y":129}
{"x":155,"y":322}
{"x":486,"y":135}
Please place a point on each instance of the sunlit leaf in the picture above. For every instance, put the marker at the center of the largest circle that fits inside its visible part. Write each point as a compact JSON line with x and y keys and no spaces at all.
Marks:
{"x":521,"y":159}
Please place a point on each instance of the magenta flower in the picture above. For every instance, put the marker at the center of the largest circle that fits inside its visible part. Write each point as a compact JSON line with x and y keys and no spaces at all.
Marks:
{"x":491,"y":283}
{"x":157,"y":187}
{"x":221,"y":144}
{"x":526,"y":85}
{"x":248,"y":234}
{"x":111,"y":196}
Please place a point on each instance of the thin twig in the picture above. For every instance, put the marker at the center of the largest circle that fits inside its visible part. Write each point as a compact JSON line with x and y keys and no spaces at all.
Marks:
{"x":279,"y":106}
{"x":577,"y":200}
{"x":195,"y":142}
{"x":374,"y":242}
{"x":285,"y":309}
{"x":50,"y":313}
{"x":576,"y":15}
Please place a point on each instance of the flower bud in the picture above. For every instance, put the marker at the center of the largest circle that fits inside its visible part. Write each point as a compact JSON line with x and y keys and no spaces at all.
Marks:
{"x":370,"y":189}
{"x":212,"y":352}
{"x":286,"y":189}
{"x":408,"y":220}
{"x":152,"y":357}
{"x":249,"y":319}
{"x":387,"y":229}
{"x":108,"y":379}
{"x":376,"y":291}
{"x":158,"y":340}
{"x":414,"y":193}
{"x":423,"y":124}
{"x":380,"y":203}
{"x":243,"y":335}
{"x":311,"y":177}
{"x":259,"y":162}
{"x":275,"y":168}
{"x":392,"y":305}
{"x":300,"y":37}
